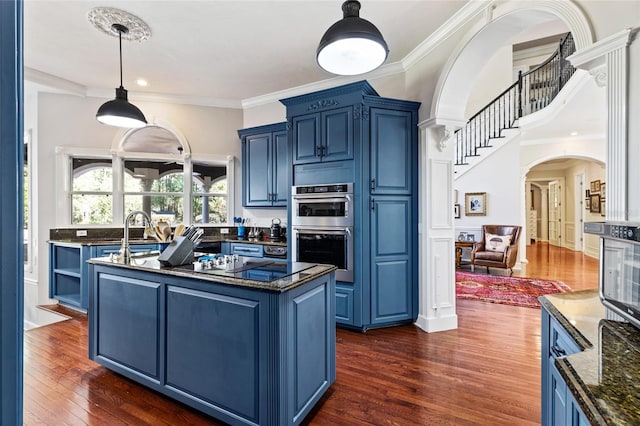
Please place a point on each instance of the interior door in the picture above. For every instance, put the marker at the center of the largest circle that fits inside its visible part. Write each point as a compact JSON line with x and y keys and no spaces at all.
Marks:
{"x":555,"y":217}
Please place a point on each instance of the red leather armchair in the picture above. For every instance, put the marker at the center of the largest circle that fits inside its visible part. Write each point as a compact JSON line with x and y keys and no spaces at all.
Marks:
{"x":481,"y":255}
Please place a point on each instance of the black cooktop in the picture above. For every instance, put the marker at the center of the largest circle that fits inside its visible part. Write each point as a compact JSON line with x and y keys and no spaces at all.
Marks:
{"x":247,"y":268}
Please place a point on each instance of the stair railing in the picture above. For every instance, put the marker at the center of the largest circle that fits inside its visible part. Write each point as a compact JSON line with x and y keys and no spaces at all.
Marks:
{"x":533,"y":91}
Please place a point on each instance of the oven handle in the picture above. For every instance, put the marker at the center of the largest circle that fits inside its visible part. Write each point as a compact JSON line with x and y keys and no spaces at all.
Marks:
{"x":322,"y":198}
{"x":333,"y":231}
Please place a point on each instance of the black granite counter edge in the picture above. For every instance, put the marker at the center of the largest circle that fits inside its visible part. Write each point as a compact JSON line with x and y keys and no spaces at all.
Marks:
{"x":261,"y":242}
{"x":580,"y":391}
{"x":578,"y":337}
{"x":310,"y":275}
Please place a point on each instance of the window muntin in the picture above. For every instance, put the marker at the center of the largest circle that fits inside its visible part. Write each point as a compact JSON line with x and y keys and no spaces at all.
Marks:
{"x":209,"y":189}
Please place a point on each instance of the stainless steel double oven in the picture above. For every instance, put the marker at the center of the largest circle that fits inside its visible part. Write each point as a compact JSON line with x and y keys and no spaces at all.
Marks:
{"x":322,"y":225}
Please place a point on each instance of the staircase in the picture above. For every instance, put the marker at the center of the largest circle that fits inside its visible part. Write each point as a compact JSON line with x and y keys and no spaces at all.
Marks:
{"x":496,"y":123}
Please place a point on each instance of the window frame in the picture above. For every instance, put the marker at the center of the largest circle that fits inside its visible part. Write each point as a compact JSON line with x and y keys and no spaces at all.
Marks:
{"x":65,"y":175}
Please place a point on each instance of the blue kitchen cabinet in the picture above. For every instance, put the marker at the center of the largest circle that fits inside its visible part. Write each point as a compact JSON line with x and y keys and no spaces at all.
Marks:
{"x":351,"y":134}
{"x":393,"y":287}
{"x":323,"y":136}
{"x":393,"y":151}
{"x":242,"y":354}
{"x":265,"y":166}
{"x":243,"y":249}
{"x":559,"y":407}
{"x":68,"y":269}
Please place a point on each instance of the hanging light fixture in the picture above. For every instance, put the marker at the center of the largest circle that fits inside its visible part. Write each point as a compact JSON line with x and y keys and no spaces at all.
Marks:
{"x":119,"y":112}
{"x":121,"y":24}
{"x":352,"y":45}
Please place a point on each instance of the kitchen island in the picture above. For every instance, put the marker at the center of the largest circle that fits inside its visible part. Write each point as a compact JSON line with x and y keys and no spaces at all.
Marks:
{"x":247,"y":343}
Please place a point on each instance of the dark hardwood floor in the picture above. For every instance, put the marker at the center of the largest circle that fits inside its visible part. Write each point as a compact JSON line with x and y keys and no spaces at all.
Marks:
{"x":485,"y":372}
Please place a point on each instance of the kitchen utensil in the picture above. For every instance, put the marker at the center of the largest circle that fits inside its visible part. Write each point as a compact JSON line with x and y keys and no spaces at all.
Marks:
{"x":276,"y":230}
{"x":179,"y":230}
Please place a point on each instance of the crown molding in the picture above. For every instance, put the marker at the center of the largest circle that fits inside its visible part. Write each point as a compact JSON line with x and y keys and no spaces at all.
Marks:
{"x":56,"y":84}
{"x":167,"y":98}
{"x":594,"y":55}
{"x":463,"y":16}
{"x":383,"y":71}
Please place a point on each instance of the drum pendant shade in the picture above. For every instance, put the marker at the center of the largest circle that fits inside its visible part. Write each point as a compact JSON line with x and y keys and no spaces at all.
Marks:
{"x":352,"y":45}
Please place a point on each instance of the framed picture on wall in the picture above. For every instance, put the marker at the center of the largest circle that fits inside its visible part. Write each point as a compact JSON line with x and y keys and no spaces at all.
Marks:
{"x":595,"y":186}
{"x":475,"y":203}
{"x":603,"y":190}
{"x":595,"y":203}
{"x":587,"y":204}
{"x":603,"y":207}
{"x":456,"y":211}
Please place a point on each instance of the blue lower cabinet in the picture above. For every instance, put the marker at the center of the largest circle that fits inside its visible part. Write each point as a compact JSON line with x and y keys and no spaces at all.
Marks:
{"x":243,"y":355}
{"x":344,"y":304}
{"x":393,"y":283}
{"x":559,"y":407}
{"x":128,"y":324}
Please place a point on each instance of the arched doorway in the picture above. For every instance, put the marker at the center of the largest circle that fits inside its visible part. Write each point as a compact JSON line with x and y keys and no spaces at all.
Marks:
{"x":504,"y":22}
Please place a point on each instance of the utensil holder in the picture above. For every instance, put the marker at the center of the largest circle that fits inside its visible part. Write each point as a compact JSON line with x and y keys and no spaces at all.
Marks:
{"x":179,"y":252}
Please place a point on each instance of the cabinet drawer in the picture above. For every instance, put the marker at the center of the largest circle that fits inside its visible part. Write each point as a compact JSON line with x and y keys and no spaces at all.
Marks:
{"x":560,"y":342}
{"x":252,"y":250}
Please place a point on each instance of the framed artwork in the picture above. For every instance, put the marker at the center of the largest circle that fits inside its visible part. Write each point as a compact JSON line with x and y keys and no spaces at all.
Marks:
{"x":475,"y":203}
{"x":603,"y":190}
{"x":587,"y":204}
{"x":456,"y":211}
{"x":595,"y":203}
{"x":595,"y":186}
{"x":603,"y":206}
{"x":587,"y":193}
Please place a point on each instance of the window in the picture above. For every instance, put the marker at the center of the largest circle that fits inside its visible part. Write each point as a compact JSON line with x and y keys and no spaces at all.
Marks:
{"x":209,"y":193}
{"x":156,"y":188}
{"x":92,"y":191}
{"x":151,"y":169}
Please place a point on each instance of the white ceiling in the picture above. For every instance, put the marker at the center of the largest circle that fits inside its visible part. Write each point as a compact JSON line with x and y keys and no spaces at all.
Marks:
{"x":224,"y":51}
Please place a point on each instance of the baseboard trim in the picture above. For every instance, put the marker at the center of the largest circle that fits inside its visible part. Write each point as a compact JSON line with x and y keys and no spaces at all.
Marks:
{"x":433,"y":325}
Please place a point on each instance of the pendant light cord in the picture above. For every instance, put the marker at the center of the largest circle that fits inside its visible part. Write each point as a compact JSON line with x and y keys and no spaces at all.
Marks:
{"x":120,"y":37}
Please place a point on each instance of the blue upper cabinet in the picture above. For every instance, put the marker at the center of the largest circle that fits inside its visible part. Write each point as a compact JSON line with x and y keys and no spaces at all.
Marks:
{"x":324,"y":136}
{"x":392,"y":141}
{"x":265,"y":166}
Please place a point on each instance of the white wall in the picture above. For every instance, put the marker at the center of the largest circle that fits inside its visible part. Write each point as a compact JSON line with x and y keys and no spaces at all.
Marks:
{"x":492,"y":80}
{"x":498,"y":177}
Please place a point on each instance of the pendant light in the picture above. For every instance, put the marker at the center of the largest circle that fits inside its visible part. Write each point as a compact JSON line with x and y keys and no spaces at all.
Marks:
{"x":352,"y":45}
{"x":119,"y":112}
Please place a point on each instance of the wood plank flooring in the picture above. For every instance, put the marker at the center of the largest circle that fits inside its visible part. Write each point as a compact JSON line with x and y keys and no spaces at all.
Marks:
{"x":485,"y":372}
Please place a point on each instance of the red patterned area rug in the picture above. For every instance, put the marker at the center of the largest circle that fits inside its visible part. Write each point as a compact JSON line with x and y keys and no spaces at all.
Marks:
{"x":505,"y":290}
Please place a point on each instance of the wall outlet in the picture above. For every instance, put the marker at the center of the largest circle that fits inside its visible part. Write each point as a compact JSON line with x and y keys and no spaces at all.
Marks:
{"x":224,"y":230}
{"x":81,"y":233}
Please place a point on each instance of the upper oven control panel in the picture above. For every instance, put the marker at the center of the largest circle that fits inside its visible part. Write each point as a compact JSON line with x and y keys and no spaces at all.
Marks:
{"x":620,"y":230}
{"x":334,"y":188}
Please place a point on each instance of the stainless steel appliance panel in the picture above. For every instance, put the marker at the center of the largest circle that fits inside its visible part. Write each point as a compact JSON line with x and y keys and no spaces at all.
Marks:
{"x":322,"y":205}
{"x":332,"y":246}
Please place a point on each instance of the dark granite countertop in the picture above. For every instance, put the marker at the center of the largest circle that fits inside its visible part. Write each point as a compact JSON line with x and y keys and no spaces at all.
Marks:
{"x":148,"y":262}
{"x":605,"y":377}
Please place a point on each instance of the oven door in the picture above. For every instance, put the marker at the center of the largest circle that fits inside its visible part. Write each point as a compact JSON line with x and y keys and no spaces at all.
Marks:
{"x":332,"y":246}
{"x":322,"y":210}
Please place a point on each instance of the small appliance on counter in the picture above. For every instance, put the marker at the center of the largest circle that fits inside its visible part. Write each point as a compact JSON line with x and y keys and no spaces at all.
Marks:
{"x":275,"y":233}
{"x":619,"y":267}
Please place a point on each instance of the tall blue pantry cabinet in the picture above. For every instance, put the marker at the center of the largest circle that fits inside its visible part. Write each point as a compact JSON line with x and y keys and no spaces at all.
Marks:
{"x":351,"y":134}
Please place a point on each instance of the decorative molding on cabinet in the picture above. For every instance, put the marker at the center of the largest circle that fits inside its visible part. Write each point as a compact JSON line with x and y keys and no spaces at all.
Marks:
{"x":325,"y":103}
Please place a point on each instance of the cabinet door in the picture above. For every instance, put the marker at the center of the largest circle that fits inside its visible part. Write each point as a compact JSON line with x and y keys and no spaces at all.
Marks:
{"x":280,"y":190}
{"x":392,"y":281}
{"x":306,"y":139}
{"x":257,"y":170}
{"x":392,"y":151}
{"x":128,"y":323}
{"x":337,"y":134}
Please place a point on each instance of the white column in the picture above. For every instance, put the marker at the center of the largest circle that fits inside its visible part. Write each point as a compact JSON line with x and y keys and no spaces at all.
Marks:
{"x":436,"y":253}
{"x":606,"y":60}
